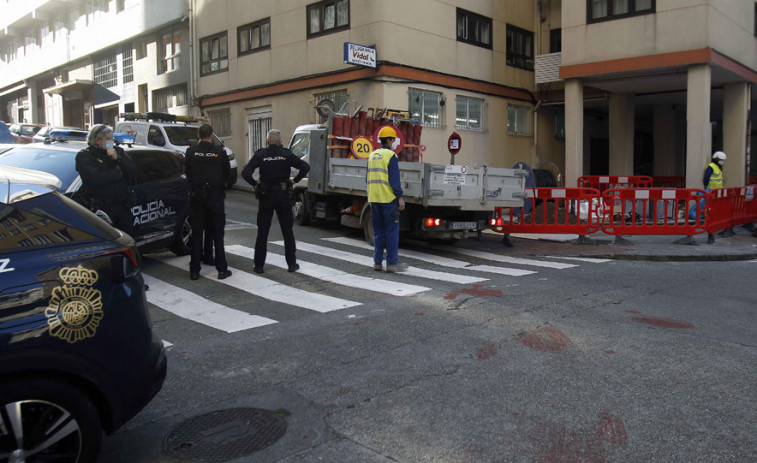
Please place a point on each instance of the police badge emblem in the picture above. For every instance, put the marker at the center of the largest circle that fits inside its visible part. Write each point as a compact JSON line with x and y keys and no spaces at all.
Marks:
{"x":75,"y":309}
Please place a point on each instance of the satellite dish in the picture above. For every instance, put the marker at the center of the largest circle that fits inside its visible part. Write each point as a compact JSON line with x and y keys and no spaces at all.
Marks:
{"x":530,"y":183}
{"x":325,"y":107}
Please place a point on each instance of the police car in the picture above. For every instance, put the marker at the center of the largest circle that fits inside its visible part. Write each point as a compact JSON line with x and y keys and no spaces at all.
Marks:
{"x":161,"y":210}
{"x":77,"y":351}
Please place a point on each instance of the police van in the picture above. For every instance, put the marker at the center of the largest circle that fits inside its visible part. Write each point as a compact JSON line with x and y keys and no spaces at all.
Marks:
{"x":169,"y":131}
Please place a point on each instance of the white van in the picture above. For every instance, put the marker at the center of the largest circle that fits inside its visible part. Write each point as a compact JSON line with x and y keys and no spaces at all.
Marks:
{"x":169,"y":131}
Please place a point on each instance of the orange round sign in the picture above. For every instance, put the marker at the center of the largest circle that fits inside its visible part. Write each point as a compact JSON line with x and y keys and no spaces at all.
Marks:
{"x":361,"y":148}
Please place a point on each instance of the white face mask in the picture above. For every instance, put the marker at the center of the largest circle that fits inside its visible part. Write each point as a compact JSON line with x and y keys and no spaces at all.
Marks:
{"x":108,"y":145}
{"x":395,"y":144}
{"x":721,"y":162}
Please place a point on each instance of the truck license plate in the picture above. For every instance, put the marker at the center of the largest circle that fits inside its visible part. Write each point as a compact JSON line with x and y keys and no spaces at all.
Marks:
{"x":464,"y":225}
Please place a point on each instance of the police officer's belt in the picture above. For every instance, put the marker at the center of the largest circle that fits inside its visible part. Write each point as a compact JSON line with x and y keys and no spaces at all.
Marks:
{"x":276,"y":185}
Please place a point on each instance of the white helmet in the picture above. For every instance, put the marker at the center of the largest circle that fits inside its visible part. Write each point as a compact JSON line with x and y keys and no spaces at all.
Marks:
{"x":718,"y":156}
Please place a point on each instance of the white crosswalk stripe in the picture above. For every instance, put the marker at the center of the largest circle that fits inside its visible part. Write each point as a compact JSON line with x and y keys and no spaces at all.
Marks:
{"x":591,"y":260}
{"x":271,"y":290}
{"x":504,"y":259}
{"x":329,"y":274}
{"x":191,"y":306}
{"x":368,"y":261}
{"x":437,"y":260}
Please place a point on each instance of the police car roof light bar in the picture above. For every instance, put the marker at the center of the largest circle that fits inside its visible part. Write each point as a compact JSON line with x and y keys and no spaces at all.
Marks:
{"x":160,"y":117}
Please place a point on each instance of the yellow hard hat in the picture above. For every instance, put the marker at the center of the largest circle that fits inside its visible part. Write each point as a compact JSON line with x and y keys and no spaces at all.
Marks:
{"x":387,"y":132}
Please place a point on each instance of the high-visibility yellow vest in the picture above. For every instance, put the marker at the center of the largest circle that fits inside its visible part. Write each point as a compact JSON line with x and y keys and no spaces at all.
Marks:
{"x":716,"y":179}
{"x":379,"y":189}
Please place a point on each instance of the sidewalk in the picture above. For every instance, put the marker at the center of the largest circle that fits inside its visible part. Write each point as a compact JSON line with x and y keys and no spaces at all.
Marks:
{"x":741,"y":246}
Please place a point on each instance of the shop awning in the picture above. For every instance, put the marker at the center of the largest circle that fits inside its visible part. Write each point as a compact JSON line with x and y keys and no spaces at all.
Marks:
{"x":76,"y":84}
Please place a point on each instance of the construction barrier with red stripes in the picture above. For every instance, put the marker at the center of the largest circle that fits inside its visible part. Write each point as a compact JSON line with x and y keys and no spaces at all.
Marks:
{"x":607,"y":182}
{"x":630,"y":211}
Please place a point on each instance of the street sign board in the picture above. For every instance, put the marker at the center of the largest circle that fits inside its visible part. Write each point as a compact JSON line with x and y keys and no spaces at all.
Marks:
{"x":454,"y":143}
{"x":359,"y":55}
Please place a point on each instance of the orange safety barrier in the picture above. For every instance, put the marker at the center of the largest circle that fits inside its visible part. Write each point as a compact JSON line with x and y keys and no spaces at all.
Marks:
{"x":607,"y":182}
{"x":654,"y":211}
{"x":669,"y":182}
{"x":553,"y":210}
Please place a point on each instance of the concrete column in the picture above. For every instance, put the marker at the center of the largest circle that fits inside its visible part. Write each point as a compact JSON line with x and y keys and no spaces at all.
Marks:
{"x":698,"y":129}
{"x":664,"y":121}
{"x":621,"y":133}
{"x":32,"y":95}
{"x":574,"y":131}
{"x":735,"y":109}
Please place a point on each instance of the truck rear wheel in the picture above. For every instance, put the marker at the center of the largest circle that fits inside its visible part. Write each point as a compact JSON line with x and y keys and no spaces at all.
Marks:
{"x":300,"y":209}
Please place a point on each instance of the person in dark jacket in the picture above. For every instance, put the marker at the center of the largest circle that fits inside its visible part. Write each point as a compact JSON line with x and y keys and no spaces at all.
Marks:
{"x":206,"y":166}
{"x":107,"y":174}
{"x":274,"y":192}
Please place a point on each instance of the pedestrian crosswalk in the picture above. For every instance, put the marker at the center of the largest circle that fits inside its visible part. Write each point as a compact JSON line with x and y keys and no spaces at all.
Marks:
{"x":344,"y":263}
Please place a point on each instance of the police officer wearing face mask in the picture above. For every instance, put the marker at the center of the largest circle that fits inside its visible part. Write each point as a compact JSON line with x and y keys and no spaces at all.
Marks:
{"x":107,"y":174}
{"x":206,"y":166}
{"x":274,"y":194}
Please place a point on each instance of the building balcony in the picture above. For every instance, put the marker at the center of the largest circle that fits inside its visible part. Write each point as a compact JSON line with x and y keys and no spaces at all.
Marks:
{"x":547,"y":67}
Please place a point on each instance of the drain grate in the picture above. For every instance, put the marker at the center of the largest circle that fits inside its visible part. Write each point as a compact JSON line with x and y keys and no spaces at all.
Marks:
{"x":224,"y":434}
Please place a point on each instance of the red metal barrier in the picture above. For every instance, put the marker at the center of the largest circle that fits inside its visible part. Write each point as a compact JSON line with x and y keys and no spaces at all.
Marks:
{"x":669,"y":182}
{"x":654,"y":211}
{"x":553,"y":210}
{"x":731,"y":206}
{"x":607,"y":182}
{"x":752,"y":180}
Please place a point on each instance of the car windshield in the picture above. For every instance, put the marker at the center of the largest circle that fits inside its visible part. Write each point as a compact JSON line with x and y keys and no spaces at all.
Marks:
{"x":61,"y":163}
{"x":181,"y":135}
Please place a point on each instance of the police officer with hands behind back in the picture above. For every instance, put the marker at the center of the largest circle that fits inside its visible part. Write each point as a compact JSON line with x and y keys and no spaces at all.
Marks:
{"x":274,"y":194}
{"x":207,"y":167}
{"x":107,"y":173}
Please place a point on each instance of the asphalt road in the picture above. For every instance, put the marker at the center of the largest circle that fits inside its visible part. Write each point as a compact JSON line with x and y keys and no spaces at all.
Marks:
{"x":558,"y":361}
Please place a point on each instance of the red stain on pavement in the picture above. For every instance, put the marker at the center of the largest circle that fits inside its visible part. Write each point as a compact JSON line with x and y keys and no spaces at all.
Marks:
{"x":555,"y":443}
{"x":609,"y":352}
{"x":661,"y":322}
{"x":419,"y":313}
{"x":486,"y":351}
{"x":544,"y":339}
{"x":633,"y":311}
{"x":476,"y":290}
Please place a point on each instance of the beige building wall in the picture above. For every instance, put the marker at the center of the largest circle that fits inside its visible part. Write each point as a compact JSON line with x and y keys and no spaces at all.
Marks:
{"x":418,"y":35}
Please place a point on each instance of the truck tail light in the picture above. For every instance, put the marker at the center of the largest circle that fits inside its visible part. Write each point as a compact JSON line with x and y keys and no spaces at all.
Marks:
{"x":496,"y":222}
{"x":432,"y":222}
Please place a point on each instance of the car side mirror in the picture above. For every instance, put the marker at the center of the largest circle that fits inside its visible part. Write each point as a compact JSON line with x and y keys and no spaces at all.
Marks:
{"x":159,"y":141}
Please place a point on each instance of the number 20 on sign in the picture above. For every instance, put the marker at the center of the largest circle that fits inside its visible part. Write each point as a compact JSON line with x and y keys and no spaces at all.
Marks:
{"x":361,"y":148}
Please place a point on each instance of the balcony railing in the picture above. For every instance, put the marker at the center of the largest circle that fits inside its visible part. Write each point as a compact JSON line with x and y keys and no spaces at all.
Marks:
{"x":548,"y":67}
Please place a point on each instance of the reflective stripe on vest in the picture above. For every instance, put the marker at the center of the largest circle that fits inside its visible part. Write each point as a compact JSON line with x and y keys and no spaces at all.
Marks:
{"x":379,"y":189}
{"x":716,"y":179}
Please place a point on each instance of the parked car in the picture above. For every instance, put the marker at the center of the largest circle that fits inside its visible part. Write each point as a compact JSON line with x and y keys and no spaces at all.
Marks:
{"x":172,"y":132}
{"x":23,"y":133}
{"x":70,"y":133}
{"x":161,"y":211}
{"x":77,"y":351}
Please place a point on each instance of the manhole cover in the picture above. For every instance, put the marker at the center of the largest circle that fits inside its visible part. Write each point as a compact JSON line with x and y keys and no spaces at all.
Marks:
{"x":224,"y":434}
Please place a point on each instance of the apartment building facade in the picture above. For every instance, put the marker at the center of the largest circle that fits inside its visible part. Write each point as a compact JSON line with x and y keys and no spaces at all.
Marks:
{"x":77,"y":63}
{"x":655,"y":86}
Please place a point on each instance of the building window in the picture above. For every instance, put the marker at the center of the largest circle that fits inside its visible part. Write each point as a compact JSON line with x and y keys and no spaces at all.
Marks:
{"x":141,"y":48}
{"x":96,"y":9}
{"x":474,"y":29}
{"x":254,"y":37}
{"x":338,"y":97}
{"x":518,"y":119}
{"x":214,"y":53}
{"x":425,"y":107}
{"x":46,"y":35}
{"x":520,"y":48}
{"x":469,"y":114}
{"x":170,"y":51}
{"x":119,"y":6}
{"x":327,"y":17}
{"x":221,"y":122}
{"x":555,"y":40}
{"x":127,"y":63}
{"x":603,"y":10}
{"x":169,"y":97}
{"x":105,"y":72}
{"x":560,"y":124}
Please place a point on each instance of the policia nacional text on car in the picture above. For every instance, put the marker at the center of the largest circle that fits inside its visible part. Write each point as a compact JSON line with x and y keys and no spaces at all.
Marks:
{"x":207,"y":167}
{"x":274,"y":194}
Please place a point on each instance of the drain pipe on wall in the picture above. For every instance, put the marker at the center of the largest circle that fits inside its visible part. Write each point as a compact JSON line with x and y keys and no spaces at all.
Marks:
{"x":192,"y":83}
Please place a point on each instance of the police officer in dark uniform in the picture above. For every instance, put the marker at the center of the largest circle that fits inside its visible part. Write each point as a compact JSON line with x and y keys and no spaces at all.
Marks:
{"x":207,"y":167}
{"x":107,"y":174}
{"x":274,"y":192}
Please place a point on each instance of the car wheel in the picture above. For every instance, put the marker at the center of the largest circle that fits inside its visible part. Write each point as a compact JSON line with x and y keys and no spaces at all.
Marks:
{"x":182,"y":238}
{"x":368,"y":226}
{"x":300,"y":209}
{"x":48,"y":420}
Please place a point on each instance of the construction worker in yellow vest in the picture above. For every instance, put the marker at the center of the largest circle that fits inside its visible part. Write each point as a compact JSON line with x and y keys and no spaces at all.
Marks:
{"x":713,"y":174}
{"x":385,"y":196}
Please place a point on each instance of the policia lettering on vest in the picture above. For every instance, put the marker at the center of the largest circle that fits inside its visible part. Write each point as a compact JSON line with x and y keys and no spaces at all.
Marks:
{"x":207,"y":166}
{"x":274,"y":193}
{"x":385,"y":195}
